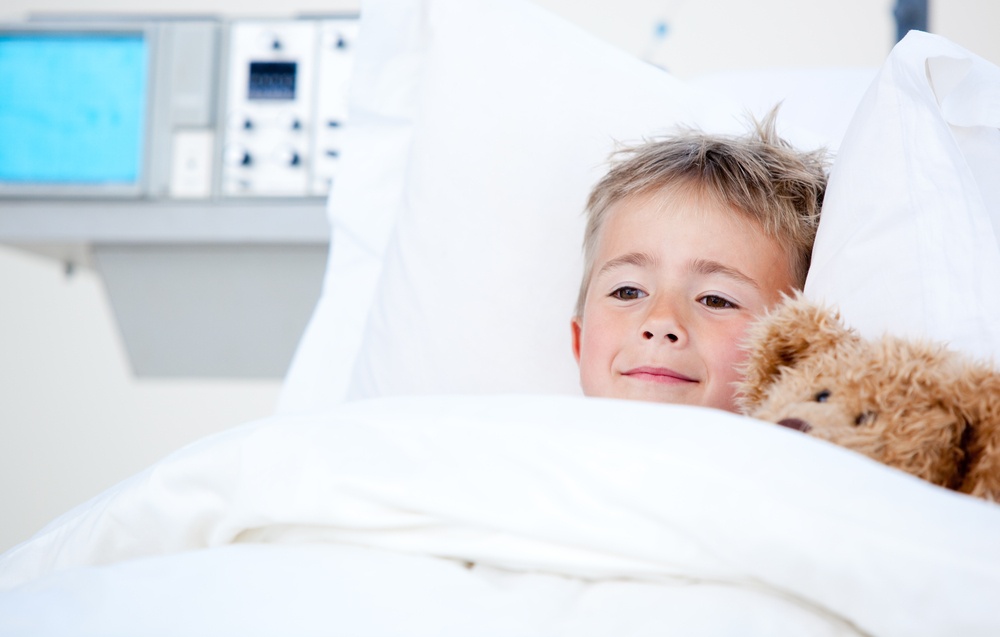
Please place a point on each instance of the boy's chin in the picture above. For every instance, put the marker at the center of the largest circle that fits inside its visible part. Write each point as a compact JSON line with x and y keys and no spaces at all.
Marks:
{"x":664,"y":395}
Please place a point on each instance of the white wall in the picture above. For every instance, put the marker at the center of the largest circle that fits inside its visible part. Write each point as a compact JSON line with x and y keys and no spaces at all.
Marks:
{"x":704,"y":35}
{"x":73,"y":420}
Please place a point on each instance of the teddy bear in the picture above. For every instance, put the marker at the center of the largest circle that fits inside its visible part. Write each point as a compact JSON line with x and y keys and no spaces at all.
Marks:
{"x":911,"y":404}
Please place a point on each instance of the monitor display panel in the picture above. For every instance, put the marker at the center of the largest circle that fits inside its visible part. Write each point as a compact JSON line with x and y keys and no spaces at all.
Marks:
{"x":72,"y":108}
{"x":272,"y":81}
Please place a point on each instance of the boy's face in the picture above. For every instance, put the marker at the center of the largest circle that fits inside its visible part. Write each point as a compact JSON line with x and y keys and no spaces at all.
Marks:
{"x":676,"y":280}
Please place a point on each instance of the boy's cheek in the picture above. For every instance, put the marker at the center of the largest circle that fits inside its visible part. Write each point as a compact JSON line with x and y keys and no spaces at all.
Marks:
{"x":591,"y":358}
{"x":734,"y":354}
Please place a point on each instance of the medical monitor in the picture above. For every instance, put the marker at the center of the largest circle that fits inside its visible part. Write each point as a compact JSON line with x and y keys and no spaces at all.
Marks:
{"x":172,"y":109}
{"x":74,"y":109}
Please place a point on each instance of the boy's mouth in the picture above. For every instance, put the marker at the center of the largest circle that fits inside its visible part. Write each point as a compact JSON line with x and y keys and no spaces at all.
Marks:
{"x":658,"y":375}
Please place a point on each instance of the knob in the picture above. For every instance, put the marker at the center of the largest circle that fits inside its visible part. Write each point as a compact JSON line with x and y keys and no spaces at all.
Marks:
{"x":290,"y":121}
{"x":240,"y":121}
{"x":336,"y":40}
{"x":271,"y":41}
{"x":238,"y":156}
{"x":288,"y":157}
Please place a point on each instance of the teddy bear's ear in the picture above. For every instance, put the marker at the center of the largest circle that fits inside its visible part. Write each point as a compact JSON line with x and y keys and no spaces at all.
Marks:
{"x":789,"y":333}
{"x":977,"y":396}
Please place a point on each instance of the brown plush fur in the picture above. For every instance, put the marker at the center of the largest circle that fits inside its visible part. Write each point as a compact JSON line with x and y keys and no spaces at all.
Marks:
{"x":916,"y":406}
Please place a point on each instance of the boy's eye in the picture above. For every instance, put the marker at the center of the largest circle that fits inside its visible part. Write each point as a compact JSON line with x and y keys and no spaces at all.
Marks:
{"x":717,"y":302}
{"x":626,"y":293}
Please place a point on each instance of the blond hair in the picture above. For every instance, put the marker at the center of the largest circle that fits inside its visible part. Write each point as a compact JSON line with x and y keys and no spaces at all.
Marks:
{"x":759,"y":175}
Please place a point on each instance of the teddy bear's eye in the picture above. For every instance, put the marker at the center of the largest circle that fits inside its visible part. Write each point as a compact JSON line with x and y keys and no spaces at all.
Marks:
{"x":822,"y":396}
{"x":865,"y":418}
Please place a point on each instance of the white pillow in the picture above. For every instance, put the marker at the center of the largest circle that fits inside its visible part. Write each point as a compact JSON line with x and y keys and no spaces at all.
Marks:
{"x":908,"y":241}
{"x":820,"y":102}
{"x":518,"y":113}
{"x":514,"y":113}
{"x":363,"y":202}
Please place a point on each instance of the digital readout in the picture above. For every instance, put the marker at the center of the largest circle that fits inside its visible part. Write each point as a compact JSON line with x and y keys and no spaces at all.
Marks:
{"x":271,"y":81}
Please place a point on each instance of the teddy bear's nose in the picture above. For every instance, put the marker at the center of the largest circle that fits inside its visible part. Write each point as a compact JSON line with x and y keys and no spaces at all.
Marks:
{"x":795,"y":423}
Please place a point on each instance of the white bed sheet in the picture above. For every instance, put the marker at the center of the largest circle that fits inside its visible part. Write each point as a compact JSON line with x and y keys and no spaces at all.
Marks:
{"x":329,"y":589}
{"x":643,"y":507}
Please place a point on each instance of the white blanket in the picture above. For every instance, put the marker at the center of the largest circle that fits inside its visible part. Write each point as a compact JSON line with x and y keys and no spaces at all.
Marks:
{"x":669,"y":518}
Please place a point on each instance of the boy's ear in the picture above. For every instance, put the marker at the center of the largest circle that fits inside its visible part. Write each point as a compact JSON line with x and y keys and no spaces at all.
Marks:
{"x":789,"y":333}
{"x":577,"y":326}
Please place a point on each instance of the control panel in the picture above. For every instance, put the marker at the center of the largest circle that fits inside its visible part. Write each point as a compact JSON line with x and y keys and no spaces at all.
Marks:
{"x":286,"y":102}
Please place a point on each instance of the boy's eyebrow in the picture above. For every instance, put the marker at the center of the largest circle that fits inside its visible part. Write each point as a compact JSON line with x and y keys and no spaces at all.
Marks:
{"x":707,"y":266}
{"x":703,"y":267}
{"x":638,"y":259}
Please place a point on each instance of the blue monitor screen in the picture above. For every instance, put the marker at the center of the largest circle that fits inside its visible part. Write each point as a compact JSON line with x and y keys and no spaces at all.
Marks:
{"x":72,"y":108}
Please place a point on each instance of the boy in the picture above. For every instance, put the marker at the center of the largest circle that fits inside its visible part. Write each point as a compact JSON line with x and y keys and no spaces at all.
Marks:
{"x":688,"y":239}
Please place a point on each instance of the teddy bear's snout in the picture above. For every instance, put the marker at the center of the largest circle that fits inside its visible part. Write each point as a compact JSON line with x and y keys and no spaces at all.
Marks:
{"x":795,"y":423}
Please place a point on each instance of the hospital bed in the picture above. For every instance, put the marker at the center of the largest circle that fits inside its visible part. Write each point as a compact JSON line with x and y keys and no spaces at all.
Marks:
{"x":432,"y":468}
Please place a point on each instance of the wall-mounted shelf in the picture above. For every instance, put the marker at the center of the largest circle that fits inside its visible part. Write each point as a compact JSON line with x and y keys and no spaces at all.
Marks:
{"x":220,"y":289}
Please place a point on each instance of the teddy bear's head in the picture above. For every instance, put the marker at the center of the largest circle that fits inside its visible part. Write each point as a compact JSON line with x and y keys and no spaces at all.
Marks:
{"x":916,"y":406}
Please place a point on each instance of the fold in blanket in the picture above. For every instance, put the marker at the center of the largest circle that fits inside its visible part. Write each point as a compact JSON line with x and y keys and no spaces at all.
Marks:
{"x":584,"y":488}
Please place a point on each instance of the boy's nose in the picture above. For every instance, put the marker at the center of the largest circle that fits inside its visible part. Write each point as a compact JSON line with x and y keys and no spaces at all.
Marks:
{"x":673,"y":338}
{"x":663,"y":323}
